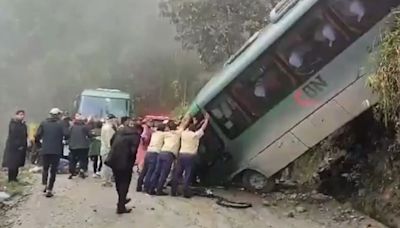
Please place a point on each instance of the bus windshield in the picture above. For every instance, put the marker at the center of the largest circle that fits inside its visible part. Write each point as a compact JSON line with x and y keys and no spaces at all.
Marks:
{"x":99,"y":107}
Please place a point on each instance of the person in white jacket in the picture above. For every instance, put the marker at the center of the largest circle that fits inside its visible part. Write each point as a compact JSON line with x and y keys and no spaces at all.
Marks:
{"x":107,"y":132}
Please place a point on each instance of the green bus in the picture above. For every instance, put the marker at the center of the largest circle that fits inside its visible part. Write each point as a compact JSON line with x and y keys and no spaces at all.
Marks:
{"x":98,"y":103}
{"x":290,"y":86}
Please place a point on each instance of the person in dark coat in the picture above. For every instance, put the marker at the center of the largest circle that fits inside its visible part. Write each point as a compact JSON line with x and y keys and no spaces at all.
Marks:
{"x":79,"y":146}
{"x":51,"y":132}
{"x":16,"y":146}
{"x":122,"y":159}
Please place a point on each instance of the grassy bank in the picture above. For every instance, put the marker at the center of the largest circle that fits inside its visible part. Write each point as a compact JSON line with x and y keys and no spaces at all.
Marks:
{"x":16,"y":188}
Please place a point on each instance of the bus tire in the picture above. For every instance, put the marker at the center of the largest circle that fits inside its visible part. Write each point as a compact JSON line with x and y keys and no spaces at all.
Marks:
{"x":256,"y":182}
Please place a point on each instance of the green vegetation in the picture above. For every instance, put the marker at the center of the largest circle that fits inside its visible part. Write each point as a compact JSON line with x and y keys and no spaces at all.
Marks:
{"x":216,"y":29}
{"x":386,"y":81}
{"x":16,"y":188}
{"x":180,"y":110}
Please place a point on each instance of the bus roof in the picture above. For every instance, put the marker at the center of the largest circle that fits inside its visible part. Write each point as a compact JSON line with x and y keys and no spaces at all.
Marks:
{"x":110,"y":93}
{"x":264,"y":40}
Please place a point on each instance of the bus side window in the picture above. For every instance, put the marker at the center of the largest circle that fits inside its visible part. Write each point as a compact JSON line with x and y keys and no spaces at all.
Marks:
{"x":311,"y":44}
{"x":360,"y":15}
{"x":260,"y":87}
{"x":228,"y":115}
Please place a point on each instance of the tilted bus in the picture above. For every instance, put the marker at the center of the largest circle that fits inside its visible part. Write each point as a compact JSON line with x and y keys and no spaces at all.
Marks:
{"x":290,"y":86}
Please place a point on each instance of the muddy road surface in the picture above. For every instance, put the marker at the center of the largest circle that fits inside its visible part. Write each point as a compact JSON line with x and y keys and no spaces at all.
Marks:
{"x":85,"y":203}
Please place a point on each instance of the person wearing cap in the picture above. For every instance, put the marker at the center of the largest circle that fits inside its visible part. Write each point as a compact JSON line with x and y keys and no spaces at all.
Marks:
{"x":150,"y":160}
{"x":16,"y":146}
{"x":52,"y":133}
{"x":107,"y":132}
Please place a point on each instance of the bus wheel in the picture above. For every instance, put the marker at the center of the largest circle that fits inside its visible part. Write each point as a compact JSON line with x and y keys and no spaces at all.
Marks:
{"x":256,"y":182}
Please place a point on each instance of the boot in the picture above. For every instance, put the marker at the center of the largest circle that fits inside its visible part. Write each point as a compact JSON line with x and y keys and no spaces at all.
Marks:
{"x":161,"y":193}
{"x":49,"y":194}
{"x":121,"y":209}
{"x":174,"y":194}
{"x":187,"y":194}
{"x":82,"y":174}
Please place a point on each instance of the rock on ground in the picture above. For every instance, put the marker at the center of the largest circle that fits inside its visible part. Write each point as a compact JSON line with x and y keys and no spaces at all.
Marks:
{"x":4,"y":196}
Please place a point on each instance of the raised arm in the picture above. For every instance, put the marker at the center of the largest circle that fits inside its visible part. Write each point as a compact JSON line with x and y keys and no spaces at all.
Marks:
{"x":185,"y":122}
{"x":206,"y":121}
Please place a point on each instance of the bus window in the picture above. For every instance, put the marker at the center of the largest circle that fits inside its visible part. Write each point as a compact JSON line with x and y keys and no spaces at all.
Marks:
{"x":313,"y":42}
{"x":261,"y":86}
{"x":360,"y":15}
{"x":228,"y":115}
{"x":326,"y":34}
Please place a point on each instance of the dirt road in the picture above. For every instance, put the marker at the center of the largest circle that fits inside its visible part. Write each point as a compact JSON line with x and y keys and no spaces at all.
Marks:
{"x":84,"y":203}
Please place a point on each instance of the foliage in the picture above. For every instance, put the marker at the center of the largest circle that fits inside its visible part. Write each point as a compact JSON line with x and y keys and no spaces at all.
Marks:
{"x":180,"y":110}
{"x":386,"y":80}
{"x":215,"y":29}
{"x":168,"y":81}
{"x":16,"y":188}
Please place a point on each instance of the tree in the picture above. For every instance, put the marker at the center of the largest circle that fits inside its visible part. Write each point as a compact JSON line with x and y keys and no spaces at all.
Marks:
{"x":167,"y":81}
{"x":216,"y":29}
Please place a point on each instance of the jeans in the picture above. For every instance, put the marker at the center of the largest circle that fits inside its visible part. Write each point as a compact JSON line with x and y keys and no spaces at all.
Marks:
{"x":184,"y":168}
{"x":50,"y":161}
{"x":122,"y":181}
{"x":149,"y":166}
{"x":97,"y":163}
{"x":163,"y":168}
{"x":80,"y":155}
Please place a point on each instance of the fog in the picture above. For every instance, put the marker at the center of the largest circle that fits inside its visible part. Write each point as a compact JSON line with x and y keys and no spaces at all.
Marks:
{"x":52,"y":49}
